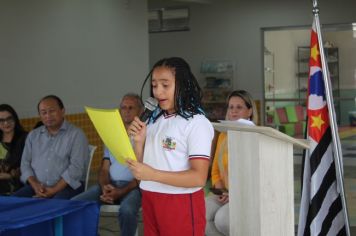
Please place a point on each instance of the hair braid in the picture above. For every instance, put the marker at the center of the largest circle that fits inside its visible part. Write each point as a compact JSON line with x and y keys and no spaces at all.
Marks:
{"x":188,"y":93}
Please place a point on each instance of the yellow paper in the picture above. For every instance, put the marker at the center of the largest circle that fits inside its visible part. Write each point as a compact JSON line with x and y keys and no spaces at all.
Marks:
{"x":111,"y":129}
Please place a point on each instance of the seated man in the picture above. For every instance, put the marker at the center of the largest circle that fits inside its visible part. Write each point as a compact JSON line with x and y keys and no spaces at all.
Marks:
{"x":116,"y":183}
{"x":55,"y":157}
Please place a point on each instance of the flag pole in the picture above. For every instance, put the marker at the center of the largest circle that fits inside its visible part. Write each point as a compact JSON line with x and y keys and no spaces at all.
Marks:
{"x":332,"y":118}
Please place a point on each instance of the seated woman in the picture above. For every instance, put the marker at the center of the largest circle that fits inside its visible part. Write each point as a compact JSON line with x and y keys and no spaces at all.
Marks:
{"x":240,"y":105}
{"x":12,"y":142}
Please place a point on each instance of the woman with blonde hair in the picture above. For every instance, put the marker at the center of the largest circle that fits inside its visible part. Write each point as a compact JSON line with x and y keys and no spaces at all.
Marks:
{"x":240,"y":105}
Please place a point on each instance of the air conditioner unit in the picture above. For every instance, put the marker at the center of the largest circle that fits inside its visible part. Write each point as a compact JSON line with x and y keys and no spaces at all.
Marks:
{"x":168,"y":19}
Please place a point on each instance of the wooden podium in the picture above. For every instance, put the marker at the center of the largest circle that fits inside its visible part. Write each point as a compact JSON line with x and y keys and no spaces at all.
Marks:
{"x":261,"y":187}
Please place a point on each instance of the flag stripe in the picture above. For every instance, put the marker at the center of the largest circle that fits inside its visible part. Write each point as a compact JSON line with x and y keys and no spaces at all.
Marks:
{"x":342,"y":232}
{"x":323,"y":167}
{"x":319,"y":151}
{"x":334,"y":209}
{"x":318,"y":199}
{"x":338,"y":224}
{"x":328,"y":180}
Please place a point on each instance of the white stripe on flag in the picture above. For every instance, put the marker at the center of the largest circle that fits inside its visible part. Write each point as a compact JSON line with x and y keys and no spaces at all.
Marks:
{"x":313,"y":145}
{"x":331,"y":195}
{"x":320,"y":172}
{"x":337,"y":224}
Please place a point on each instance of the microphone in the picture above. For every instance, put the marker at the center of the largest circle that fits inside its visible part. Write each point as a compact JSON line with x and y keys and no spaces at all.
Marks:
{"x":150,"y":105}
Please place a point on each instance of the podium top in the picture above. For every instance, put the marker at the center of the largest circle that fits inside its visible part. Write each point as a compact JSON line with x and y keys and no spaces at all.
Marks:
{"x":303,"y":143}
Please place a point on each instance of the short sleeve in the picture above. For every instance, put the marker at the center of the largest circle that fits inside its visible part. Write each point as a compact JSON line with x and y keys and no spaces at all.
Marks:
{"x":200,"y":134}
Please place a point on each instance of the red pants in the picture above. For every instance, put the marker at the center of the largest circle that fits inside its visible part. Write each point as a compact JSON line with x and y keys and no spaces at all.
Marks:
{"x":173,"y":214}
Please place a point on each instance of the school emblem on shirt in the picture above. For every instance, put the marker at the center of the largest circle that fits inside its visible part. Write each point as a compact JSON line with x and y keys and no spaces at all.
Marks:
{"x":169,"y":144}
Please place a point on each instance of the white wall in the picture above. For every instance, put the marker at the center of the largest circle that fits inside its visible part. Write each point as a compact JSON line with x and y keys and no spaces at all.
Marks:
{"x":88,"y":52}
{"x":228,"y":29}
{"x":91,"y":52}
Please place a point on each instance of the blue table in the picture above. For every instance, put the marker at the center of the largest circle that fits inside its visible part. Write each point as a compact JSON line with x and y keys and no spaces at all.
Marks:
{"x":34,"y":216}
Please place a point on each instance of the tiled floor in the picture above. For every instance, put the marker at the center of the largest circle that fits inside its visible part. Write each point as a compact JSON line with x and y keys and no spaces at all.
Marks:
{"x":108,"y":225}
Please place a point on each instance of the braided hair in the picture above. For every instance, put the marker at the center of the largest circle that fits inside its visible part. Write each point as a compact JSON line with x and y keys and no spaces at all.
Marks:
{"x":187,"y":94}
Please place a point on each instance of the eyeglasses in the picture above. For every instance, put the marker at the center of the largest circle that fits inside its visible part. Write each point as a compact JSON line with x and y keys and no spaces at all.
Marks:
{"x":8,"y":120}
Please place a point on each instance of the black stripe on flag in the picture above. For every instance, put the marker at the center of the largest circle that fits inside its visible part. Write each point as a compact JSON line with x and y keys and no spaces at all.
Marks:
{"x":342,"y":232}
{"x":334,"y":209}
{"x":318,"y":198}
{"x":319,"y":151}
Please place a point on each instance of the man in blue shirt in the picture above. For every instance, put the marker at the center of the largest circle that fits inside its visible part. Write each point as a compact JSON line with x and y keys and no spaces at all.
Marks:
{"x":116,"y":183}
{"x":55,"y":157}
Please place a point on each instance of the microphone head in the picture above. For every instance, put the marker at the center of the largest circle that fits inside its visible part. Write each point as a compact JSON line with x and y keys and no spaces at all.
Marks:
{"x":151,"y":104}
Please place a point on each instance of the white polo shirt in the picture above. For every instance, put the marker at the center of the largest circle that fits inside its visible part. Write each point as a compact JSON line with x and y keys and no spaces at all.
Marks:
{"x":171,"y":142}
